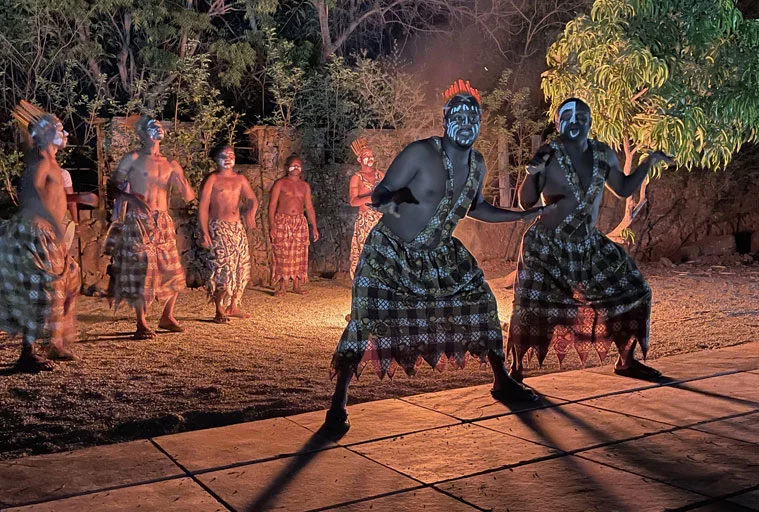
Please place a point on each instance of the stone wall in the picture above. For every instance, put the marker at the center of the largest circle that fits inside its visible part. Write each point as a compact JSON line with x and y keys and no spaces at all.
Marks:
{"x":688,"y":214}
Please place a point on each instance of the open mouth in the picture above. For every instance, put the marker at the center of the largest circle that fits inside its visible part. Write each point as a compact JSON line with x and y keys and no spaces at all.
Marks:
{"x":574,"y":133}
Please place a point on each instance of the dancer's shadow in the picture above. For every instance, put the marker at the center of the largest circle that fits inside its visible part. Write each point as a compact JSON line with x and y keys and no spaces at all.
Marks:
{"x":297,"y":463}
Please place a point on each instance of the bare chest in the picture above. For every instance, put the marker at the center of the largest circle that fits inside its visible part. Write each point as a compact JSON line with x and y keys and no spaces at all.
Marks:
{"x":151,"y":170}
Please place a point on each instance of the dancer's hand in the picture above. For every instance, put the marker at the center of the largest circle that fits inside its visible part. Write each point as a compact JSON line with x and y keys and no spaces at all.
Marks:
{"x":661,"y":156}
{"x":401,"y":196}
{"x":538,"y":211}
{"x":250,"y":220}
{"x":540,"y":161}
{"x":315,"y":235}
{"x":205,"y":241}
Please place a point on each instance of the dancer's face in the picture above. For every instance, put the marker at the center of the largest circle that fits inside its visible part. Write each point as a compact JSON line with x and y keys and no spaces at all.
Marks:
{"x":295,"y":168}
{"x":462,"y":120}
{"x":155,"y":131}
{"x":61,"y":137}
{"x":366,"y":158}
{"x":574,"y":121}
{"x":226,"y":159}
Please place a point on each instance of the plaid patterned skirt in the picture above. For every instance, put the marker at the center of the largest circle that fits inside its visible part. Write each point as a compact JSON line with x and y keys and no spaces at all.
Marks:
{"x":416,"y":304}
{"x":39,"y":283}
{"x":584,"y":293}
{"x":365,"y":221}
{"x":290,"y":241}
{"x":229,"y":263}
{"x":146,"y":264}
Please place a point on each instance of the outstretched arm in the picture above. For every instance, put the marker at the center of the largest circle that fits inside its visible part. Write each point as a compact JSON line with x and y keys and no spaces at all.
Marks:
{"x":356,"y":198}
{"x":486,"y":212}
{"x":625,"y":185}
{"x":400,"y":174}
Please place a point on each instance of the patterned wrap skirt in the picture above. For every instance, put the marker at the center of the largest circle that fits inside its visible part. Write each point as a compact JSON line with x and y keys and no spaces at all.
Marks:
{"x":290,"y":241}
{"x":365,"y":221}
{"x":39,"y":283}
{"x":229,"y":263}
{"x":146,"y":264}
{"x":413,"y":304}
{"x":581,"y":293}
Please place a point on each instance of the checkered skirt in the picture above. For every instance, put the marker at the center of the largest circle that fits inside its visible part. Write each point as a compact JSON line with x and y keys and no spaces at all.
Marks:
{"x":39,"y":283}
{"x":421,"y":300}
{"x":146,"y":264}
{"x":290,"y":242}
{"x":576,"y":293}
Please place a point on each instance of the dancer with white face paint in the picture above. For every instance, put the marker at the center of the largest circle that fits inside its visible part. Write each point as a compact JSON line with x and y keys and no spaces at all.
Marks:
{"x":146,"y":264}
{"x":574,"y":286}
{"x":223,"y":195}
{"x":418,"y":293}
{"x":40,"y":279}
{"x":362,"y":183}
{"x":288,"y":229}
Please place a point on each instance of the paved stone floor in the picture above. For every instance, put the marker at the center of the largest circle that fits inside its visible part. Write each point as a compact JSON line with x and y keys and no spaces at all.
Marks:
{"x":595,"y":442}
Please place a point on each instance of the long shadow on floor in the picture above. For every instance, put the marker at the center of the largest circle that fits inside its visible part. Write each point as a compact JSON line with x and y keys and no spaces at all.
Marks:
{"x":297,"y":463}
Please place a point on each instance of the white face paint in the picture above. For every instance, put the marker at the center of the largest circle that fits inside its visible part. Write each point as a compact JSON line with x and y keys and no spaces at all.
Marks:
{"x":295,"y":168}
{"x":574,"y":121}
{"x":462,"y":124}
{"x":367,"y":158}
{"x":61,"y":136}
{"x":226,"y":159}
{"x":155,"y":130}
{"x":568,"y":116}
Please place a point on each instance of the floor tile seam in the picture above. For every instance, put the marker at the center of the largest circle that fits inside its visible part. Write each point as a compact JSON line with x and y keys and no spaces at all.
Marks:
{"x":389,"y":437}
{"x":89,"y":492}
{"x":643,"y":388}
{"x":593,"y":447}
{"x":729,"y":416}
{"x":396,"y":493}
{"x":559,"y":454}
{"x":647,"y":477}
{"x":715,"y":500}
{"x":189,"y":474}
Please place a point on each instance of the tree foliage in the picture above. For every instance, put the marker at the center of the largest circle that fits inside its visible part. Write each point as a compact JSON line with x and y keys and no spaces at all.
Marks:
{"x":673,"y":75}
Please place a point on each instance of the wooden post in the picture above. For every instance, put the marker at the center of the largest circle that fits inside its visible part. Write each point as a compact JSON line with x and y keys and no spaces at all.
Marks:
{"x":504,"y":180}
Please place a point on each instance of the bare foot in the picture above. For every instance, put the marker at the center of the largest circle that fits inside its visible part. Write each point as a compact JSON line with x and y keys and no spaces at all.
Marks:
{"x":30,"y":362}
{"x":300,"y":291}
{"x":637,"y":370}
{"x":236,"y":313}
{"x":143,"y":333}
{"x":170,"y":325}
{"x":61,"y":354}
{"x":279,"y":293}
{"x":221,"y":319}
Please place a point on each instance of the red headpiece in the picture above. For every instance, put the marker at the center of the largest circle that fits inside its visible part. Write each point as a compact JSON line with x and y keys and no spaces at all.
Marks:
{"x":461,"y":87}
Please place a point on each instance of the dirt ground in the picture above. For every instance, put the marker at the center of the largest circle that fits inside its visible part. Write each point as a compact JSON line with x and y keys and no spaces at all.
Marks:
{"x":277,"y":362}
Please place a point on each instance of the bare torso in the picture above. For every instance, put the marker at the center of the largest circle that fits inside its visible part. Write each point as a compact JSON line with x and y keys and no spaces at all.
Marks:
{"x":557,"y":185}
{"x":226,"y":190}
{"x":148,"y":177}
{"x":428,"y":186}
{"x":361,"y":185}
{"x":292,"y":196}
{"x":48,"y":198}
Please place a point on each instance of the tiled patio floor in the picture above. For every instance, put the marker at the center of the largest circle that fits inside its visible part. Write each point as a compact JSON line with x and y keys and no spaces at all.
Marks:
{"x":594,"y":442}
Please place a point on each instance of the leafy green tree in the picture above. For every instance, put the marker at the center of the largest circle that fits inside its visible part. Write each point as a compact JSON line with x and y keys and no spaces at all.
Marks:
{"x":681,"y":76}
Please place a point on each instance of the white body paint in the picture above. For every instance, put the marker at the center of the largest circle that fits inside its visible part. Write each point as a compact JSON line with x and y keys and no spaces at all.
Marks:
{"x":569,"y":107}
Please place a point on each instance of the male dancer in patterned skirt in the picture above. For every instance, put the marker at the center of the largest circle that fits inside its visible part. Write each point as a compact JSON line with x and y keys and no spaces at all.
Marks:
{"x":574,"y":286}
{"x":418,"y":294}
{"x":224,"y":233}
